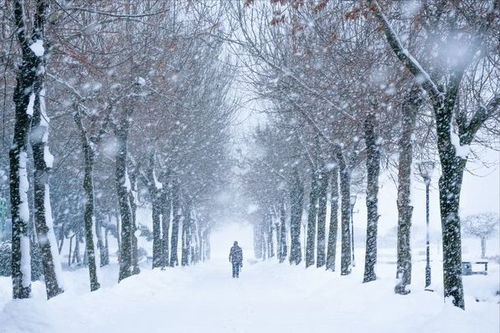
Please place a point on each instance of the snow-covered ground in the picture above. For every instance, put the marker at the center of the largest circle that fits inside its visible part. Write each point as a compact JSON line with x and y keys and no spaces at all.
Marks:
{"x":269,"y":297}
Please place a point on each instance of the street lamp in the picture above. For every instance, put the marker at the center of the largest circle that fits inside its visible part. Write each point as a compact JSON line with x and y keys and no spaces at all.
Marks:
{"x":425,"y":168}
{"x":353,"y":202}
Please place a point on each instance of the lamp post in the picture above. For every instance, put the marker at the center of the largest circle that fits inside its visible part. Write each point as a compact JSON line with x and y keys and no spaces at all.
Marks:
{"x":426,"y":168}
{"x":353,"y":202}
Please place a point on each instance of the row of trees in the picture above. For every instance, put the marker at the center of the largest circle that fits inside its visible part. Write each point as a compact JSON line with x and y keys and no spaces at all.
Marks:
{"x":137,"y":94}
{"x":351,"y":87}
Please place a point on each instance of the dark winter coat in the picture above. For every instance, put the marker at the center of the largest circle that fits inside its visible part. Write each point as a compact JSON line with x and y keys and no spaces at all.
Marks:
{"x":236,"y":254}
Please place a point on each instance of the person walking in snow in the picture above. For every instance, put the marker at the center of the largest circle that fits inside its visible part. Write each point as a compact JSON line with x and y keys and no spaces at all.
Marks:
{"x":236,"y":259}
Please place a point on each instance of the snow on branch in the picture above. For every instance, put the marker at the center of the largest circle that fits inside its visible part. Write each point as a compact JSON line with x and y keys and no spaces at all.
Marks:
{"x":402,"y":53}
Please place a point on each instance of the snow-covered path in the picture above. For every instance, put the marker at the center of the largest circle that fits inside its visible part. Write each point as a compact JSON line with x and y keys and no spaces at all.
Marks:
{"x":269,"y":297}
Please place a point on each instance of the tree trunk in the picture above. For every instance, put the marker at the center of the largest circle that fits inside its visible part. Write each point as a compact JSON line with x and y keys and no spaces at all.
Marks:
{"x":43,"y":160}
{"x":176,"y":207}
{"x":296,"y":204}
{"x":282,"y":231}
{"x":123,"y":188}
{"x":29,"y":78}
{"x":322,"y":193}
{"x":345,"y":208}
{"x":202,"y":244}
{"x":333,"y":228}
{"x":334,"y":223}
{"x":19,"y":186}
{"x":200,"y":241}
{"x":157,"y":239}
{"x":206,"y":242}
{"x":483,"y":247}
{"x":450,"y":183}
{"x":118,"y":234}
{"x":103,"y":258}
{"x":257,"y":241}
{"x":311,"y":218}
{"x":277,"y":233}
{"x":70,"y":247}
{"x":262,"y":235}
{"x":449,"y":188}
{"x":405,"y":210}
{"x":85,"y":260}
{"x":106,"y":248}
{"x":269,"y":228}
{"x":155,"y":193}
{"x":165,"y":223}
{"x":61,"y":238}
{"x":373,"y":170}
{"x":89,"y":217}
{"x":186,"y":234}
{"x":195,"y":242}
{"x":76,"y":253}
{"x":133,"y":205}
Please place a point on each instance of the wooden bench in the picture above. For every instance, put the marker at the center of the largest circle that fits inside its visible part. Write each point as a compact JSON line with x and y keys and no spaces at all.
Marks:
{"x":467,"y":267}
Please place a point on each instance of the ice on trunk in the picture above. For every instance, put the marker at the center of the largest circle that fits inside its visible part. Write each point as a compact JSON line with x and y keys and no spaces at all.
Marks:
{"x":25,"y":261}
{"x":157,"y":184}
{"x":48,"y":157}
{"x":461,"y":150}
{"x":37,"y":48}
{"x":31,"y":104}
{"x":94,"y":245}
{"x":24,"y":215}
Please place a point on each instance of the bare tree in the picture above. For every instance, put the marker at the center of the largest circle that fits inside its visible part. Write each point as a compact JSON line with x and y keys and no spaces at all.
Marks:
{"x":481,"y":226}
